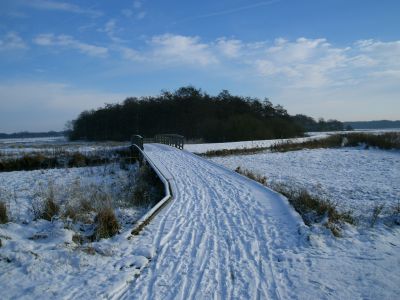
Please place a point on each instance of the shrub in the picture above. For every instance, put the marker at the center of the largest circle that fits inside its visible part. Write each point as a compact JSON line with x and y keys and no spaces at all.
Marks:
{"x":3,"y":213}
{"x":106,"y":223}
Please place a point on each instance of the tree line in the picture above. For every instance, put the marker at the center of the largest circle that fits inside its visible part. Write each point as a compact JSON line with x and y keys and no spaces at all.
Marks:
{"x":190,"y":112}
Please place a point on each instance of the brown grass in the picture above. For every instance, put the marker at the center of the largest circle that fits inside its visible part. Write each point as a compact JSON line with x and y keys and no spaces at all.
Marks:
{"x":311,"y":208}
{"x":251,"y":175}
{"x":61,"y":159}
{"x":50,"y":207}
{"x":314,"y":209}
{"x":3,"y":213}
{"x":227,"y":152}
{"x":390,"y":140}
{"x":106,"y":223}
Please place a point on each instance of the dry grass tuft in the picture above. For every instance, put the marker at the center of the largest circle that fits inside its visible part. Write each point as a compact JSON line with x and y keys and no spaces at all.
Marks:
{"x":376,"y":212}
{"x":77,"y":239}
{"x":3,"y":213}
{"x":311,"y":208}
{"x":106,"y":223}
{"x":251,"y":175}
{"x":314,"y":209}
{"x":50,"y":207}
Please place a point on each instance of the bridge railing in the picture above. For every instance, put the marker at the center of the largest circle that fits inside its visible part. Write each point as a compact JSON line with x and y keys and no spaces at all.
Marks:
{"x":174,"y":140}
{"x":166,"y":181}
{"x":137,"y":140}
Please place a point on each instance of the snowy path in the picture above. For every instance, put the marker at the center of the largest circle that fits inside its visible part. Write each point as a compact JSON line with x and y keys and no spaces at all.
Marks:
{"x":220,"y":238}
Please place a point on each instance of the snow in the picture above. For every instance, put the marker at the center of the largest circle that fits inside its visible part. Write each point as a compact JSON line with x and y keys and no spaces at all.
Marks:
{"x":355,"y":179}
{"x":39,"y":258}
{"x":11,"y":148}
{"x":50,"y":139}
{"x":222,"y":236}
{"x":203,"y":148}
{"x":21,"y":189}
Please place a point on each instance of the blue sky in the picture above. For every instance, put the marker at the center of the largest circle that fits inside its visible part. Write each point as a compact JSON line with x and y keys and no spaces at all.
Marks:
{"x":332,"y":59}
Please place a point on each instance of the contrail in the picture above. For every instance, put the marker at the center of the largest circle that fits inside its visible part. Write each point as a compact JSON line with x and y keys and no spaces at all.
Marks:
{"x":229,"y":11}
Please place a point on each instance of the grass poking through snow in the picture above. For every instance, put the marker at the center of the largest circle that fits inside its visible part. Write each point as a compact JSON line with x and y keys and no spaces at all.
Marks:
{"x":311,"y":208}
{"x":390,"y":140}
{"x":106,"y":223}
{"x":3,"y":213}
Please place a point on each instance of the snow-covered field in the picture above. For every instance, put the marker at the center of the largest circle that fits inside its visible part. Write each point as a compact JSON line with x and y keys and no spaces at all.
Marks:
{"x":354,"y":178}
{"x":11,"y":148}
{"x":203,"y":148}
{"x":40,"y":256}
{"x":21,"y":190}
{"x":222,"y":236}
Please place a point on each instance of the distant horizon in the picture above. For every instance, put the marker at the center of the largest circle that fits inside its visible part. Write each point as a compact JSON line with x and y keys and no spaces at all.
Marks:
{"x":63,"y":130}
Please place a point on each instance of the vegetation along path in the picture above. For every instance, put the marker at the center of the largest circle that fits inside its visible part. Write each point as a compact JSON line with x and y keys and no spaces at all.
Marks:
{"x":221,"y":237}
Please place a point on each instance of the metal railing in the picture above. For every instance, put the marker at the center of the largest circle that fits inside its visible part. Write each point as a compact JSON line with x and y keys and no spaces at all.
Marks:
{"x":174,"y":140}
{"x":144,"y":158}
{"x":137,"y":140}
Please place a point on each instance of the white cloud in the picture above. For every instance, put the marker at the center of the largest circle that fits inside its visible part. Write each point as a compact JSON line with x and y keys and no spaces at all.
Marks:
{"x":67,"y":41}
{"x":301,"y":63}
{"x":135,"y":10}
{"x":130,"y":54}
{"x":12,"y":41}
{"x":112,"y":30}
{"x":230,"y":48}
{"x":383,"y":53}
{"x":60,"y":6}
{"x":180,"y":49}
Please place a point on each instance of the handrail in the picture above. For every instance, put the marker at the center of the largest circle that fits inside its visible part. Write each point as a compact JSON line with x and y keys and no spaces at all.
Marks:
{"x":174,"y":140}
{"x":137,"y":140}
{"x":144,"y":220}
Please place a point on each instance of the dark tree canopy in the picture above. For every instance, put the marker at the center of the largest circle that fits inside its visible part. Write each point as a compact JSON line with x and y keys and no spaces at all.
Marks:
{"x":190,"y":112}
{"x":309,"y":124}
